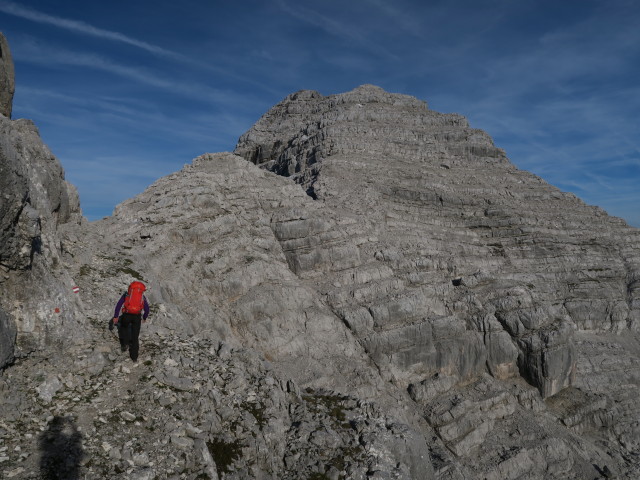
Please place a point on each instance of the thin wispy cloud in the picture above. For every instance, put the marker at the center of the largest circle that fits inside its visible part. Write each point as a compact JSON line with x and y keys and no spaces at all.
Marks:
{"x":128,"y":106}
{"x":546,"y":103}
{"x":55,"y":57}
{"x":84,"y":28}
{"x":408,"y":24}
{"x":42,"y":55}
{"x":566,"y":58}
{"x":346,"y":31}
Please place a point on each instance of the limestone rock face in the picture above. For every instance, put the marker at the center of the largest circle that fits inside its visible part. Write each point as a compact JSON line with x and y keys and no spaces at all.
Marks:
{"x":468,"y":263}
{"x":377,"y":293}
{"x":35,"y":201}
{"x":7,"y":78}
{"x":206,"y":240}
{"x":456,"y":263}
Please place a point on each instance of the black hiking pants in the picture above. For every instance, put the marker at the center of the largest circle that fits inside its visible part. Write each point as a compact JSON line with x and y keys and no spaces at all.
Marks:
{"x":128,"y":332}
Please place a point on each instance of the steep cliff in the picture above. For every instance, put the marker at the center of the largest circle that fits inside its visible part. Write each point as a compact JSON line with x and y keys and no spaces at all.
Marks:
{"x":36,"y":201}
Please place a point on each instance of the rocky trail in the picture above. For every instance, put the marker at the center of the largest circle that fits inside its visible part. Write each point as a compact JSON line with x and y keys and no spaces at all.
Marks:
{"x":188,"y":409}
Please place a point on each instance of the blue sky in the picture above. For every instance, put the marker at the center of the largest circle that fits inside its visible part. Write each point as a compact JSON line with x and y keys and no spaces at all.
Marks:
{"x":125,"y":92}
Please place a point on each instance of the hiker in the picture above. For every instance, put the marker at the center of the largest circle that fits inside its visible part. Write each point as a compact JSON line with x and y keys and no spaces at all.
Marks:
{"x":135,"y":309}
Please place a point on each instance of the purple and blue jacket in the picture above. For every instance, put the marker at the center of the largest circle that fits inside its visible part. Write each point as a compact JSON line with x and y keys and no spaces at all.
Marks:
{"x":121,"y":303}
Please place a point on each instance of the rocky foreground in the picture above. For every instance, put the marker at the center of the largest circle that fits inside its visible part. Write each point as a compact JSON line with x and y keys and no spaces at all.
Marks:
{"x":91,"y":413}
{"x":365,"y":288}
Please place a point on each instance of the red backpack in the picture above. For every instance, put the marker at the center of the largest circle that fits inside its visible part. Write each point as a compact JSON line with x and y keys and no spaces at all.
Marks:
{"x":134,"y":301}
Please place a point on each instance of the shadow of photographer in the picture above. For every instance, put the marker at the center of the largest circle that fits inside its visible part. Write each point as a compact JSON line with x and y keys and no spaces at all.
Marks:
{"x":60,"y":450}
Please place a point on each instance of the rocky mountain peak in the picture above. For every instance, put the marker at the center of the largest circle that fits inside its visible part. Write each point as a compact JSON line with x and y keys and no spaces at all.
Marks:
{"x":365,"y":288}
{"x":285,"y":139}
{"x":373,"y":94}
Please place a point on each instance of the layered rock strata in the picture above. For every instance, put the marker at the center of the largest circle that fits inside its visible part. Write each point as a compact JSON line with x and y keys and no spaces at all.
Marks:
{"x":217,"y":239}
{"x":458,"y":240}
{"x":420,"y":308}
{"x":459,"y":263}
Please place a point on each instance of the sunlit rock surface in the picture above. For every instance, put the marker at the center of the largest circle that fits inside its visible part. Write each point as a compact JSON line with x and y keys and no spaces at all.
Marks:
{"x":366,"y":289}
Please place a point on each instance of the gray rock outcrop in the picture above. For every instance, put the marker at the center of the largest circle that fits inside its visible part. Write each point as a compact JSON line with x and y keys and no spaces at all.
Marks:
{"x":459,"y":240}
{"x":461,"y":264}
{"x":7,"y":78}
{"x":35,"y":201}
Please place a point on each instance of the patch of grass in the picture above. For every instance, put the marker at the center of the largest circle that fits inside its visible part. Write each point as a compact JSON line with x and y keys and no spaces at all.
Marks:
{"x":132,"y":272}
{"x":85,"y":270}
{"x":153,"y":309}
{"x":317,"y":476}
{"x":224,"y":454}
{"x":257,"y":410}
{"x":329,"y":404}
{"x":348,"y":453}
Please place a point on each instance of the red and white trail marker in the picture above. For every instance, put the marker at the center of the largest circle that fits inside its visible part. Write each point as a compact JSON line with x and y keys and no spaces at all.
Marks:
{"x":75,"y":289}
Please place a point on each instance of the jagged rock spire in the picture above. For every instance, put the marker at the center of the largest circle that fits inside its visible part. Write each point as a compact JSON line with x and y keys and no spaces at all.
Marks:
{"x":7,"y":78}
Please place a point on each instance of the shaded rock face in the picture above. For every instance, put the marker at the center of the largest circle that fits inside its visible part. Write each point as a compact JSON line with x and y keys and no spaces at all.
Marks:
{"x":35,"y":201}
{"x":7,"y":78}
{"x":7,"y":338}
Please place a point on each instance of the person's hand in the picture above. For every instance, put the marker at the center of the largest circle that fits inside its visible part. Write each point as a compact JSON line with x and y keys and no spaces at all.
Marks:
{"x":115,"y":320}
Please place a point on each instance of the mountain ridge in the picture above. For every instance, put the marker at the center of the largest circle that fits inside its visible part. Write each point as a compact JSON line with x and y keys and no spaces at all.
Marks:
{"x":365,"y":289}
